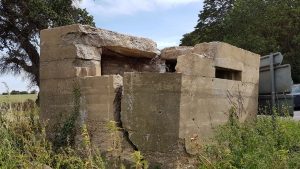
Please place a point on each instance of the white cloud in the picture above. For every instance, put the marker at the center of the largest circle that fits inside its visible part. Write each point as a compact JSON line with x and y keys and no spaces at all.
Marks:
{"x":164,"y":44}
{"x":128,"y":7}
{"x":170,"y":41}
{"x":15,"y":82}
{"x":168,"y":3}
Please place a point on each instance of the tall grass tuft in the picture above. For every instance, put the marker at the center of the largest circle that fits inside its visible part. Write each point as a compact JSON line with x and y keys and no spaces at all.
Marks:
{"x":7,"y":97}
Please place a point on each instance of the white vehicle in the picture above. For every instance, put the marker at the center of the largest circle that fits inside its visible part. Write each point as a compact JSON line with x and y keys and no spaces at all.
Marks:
{"x":296,"y":95}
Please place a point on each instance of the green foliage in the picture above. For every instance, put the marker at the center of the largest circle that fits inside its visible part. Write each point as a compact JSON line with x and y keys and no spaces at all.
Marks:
{"x":210,"y":25}
{"x":267,"y":26}
{"x":114,"y":131}
{"x":265,"y":142}
{"x":256,"y":25}
{"x":23,"y":144}
{"x":20,"y":24}
{"x":15,"y":92}
{"x":33,"y":92}
{"x":67,"y":130}
{"x":140,"y":162}
{"x":254,"y":144}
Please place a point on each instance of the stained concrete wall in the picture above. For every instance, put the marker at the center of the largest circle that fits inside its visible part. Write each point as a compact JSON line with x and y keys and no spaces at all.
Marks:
{"x":99,"y":94}
{"x":150,"y":110}
{"x":193,"y":100}
{"x":151,"y":115}
{"x":161,"y":114}
{"x":205,"y":99}
{"x":115,"y":63}
{"x":71,"y":57}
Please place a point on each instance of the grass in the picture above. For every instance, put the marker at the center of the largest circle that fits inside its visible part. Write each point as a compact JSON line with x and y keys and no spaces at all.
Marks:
{"x":17,"y":98}
{"x":23,"y":144}
{"x":266,"y":142}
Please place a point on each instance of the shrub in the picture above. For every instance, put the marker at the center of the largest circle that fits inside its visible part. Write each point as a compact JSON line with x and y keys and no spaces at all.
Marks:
{"x":23,"y":92}
{"x":267,"y":142}
{"x":14,"y":92}
{"x":33,"y":92}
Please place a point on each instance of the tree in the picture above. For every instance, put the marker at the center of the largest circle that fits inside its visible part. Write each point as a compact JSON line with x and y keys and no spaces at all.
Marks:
{"x":265,"y":27}
{"x":15,"y":92}
{"x":20,"y":23}
{"x":33,"y":92}
{"x":23,"y":92}
{"x":210,"y":25}
{"x":261,"y":26}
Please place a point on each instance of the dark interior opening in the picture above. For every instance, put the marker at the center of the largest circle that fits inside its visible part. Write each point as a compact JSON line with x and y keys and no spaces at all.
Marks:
{"x":115,"y":63}
{"x":170,"y":65}
{"x":230,"y":74}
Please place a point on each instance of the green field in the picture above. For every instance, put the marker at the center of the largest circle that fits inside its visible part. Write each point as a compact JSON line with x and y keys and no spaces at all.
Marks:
{"x":17,"y":98}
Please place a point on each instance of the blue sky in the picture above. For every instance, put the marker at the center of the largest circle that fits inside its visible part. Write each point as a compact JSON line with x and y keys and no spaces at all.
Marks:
{"x":164,"y":21}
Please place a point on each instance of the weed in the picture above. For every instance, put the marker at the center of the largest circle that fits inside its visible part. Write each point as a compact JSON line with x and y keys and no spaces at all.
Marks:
{"x":140,"y":162}
{"x":23,"y":142}
{"x":67,"y":130}
{"x":7,"y":96}
{"x":267,"y":142}
{"x":114,"y":131}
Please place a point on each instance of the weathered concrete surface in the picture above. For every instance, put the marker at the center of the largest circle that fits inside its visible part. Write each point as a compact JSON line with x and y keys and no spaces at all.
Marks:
{"x":193,"y":64}
{"x":97,"y":99}
{"x":171,"y":53}
{"x":151,"y":115}
{"x":150,"y":110}
{"x":82,"y":35}
{"x":164,"y":115}
{"x":74,"y":51}
{"x":205,"y":99}
{"x":98,"y":109}
{"x":205,"y":103}
{"x":69,"y":68}
{"x":115,"y":63}
{"x":76,"y":56}
{"x":170,"y":113}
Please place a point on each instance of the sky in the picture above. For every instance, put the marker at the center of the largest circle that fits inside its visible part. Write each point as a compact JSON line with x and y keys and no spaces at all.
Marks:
{"x":164,"y":21}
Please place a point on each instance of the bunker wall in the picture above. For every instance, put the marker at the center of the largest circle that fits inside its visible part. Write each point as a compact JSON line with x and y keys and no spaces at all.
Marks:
{"x":215,"y":78}
{"x":78,"y":56}
{"x":161,"y":114}
{"x":150,"y":110}
{"x":98,"y":108}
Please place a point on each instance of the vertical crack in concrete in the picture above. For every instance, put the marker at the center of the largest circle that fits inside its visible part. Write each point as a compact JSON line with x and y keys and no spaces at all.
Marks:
{"x":117,"y":116}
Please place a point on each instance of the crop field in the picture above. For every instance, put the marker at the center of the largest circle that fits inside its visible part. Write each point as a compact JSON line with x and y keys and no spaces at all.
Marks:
{"x":17,"y":98}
